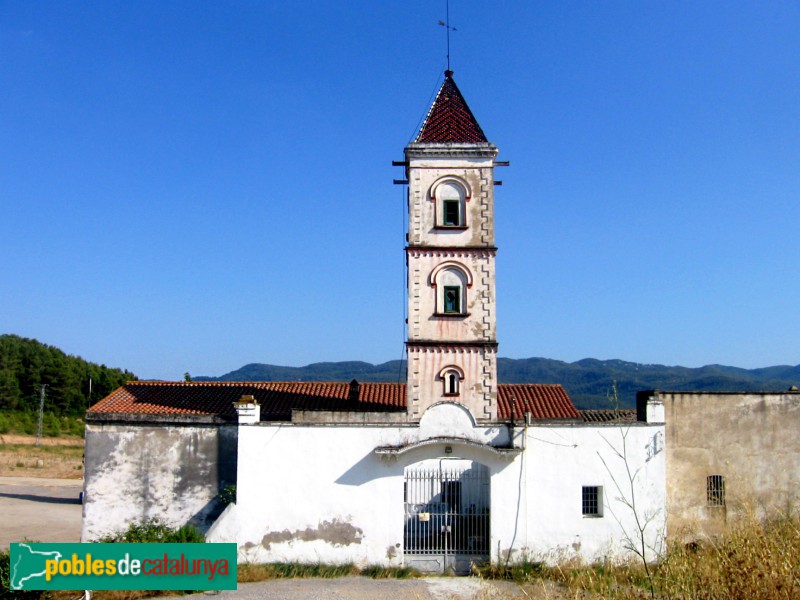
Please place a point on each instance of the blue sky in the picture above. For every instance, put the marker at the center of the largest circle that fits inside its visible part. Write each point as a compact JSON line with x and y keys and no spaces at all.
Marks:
{"x":192,"y":186}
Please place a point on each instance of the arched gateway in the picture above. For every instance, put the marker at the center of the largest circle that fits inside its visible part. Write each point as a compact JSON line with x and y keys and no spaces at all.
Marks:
{"x":447,"y":505}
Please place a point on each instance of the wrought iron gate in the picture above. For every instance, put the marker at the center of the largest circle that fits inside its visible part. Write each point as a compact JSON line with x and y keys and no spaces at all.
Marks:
{"x":446,"y":515}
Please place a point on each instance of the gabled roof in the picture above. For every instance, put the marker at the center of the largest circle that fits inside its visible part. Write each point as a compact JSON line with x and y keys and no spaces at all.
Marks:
{"x":278,"y":399}
{"x":449,"y":120}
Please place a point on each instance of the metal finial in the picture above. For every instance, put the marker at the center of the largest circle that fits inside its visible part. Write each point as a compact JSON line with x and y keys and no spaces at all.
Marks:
{"x":446,"y":25}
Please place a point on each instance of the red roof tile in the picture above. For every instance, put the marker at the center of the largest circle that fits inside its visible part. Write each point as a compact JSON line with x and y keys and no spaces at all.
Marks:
{"x":278,"y":399}
{"x":542,"y":400}
{"x":449,"y":119}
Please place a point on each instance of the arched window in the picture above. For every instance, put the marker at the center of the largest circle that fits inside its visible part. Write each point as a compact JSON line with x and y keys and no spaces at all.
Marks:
{"x":451,"y":383}
{"x":451,"y":377}
{"x":451,"y":280}
{"x":450,"y":196}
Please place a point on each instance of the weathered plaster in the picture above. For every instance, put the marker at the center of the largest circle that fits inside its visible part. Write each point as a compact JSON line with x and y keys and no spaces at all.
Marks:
{"x":336,"y":532}
{"x":330,"y":474}
{"x":138,"y":471}
{"x":748,"y":438}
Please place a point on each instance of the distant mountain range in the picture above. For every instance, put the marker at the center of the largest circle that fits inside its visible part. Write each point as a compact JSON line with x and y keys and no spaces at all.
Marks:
{"x":587,"y":381}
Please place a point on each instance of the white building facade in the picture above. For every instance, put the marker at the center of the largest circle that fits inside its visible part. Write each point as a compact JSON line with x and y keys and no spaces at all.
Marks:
{"x":446,"y":470}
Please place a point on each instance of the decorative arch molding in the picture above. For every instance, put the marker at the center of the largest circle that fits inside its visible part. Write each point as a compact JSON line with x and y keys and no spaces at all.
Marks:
{"x":451,"y":264}
{"x":452,"y":180}
{"x":451,"y":378}
{"x":451,"y":368}
{"x":450,"y":196}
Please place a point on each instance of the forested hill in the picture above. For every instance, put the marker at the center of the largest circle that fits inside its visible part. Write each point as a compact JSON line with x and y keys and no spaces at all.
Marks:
{"x":587,"y":381}
{"x":25,"y":364}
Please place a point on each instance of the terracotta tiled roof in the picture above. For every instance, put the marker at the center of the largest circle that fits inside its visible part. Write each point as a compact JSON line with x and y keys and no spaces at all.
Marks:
{"x":277,"y":399}
{"x":450,"y":120}
{"x":542,"y":400}
{"x":624,"y":415}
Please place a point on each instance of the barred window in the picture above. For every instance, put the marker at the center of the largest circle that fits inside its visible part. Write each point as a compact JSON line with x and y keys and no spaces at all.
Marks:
{"x":715,"y":490}
{"x":592,"y":501}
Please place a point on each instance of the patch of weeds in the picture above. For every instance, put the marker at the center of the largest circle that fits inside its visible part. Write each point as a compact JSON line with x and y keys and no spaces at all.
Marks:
{"x":378,"y":572}
{"x":247,"y":572}
{"x":228,"y":495}
{"x":522,"y":572}
{"x":154,"y":530}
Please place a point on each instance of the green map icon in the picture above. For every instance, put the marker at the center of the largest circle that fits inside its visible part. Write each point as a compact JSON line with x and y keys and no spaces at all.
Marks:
{"x":27,"y":565}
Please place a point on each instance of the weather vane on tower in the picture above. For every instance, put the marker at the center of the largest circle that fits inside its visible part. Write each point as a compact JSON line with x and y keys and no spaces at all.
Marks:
{"x":446,"y":25}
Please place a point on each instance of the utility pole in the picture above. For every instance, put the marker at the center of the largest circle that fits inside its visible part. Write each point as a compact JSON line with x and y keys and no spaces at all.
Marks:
{"x":41,"y":414}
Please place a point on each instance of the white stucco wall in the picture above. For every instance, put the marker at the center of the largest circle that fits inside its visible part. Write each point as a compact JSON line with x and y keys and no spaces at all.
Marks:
{"x":321,"y":493}
{"x":137,"y":471}
{"x":557,"y":463}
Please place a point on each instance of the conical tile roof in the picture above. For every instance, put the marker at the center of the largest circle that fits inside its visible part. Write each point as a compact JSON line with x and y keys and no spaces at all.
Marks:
{"x":450,"y":121}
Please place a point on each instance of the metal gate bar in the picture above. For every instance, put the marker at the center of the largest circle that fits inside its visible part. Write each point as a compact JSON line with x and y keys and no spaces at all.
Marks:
{"x":447,"y":510}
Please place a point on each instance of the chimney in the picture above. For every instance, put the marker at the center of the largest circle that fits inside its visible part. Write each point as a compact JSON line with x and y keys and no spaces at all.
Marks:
{"x":649,"y":407}
{"x":355,"y":389}
{"x":248,"y":410}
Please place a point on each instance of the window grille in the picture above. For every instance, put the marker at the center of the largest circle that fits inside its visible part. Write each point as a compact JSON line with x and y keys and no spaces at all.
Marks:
{"x":592,"y":501}
{"x":715,"y":490}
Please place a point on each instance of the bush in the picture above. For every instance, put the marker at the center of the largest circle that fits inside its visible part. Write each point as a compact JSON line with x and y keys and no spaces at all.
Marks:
{"x":154,"y":531}
{"x":228,"y":495}
{"x":27,"y":422}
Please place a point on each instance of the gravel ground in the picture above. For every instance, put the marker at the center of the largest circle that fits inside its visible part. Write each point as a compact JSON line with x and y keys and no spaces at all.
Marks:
{"x":42,"y":510}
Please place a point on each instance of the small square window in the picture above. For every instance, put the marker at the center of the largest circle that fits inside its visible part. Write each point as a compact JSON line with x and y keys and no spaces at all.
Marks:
{"x":715,"y":490}
{"x":452,"y":299}
{"x":592,"y":501}
{"x":452,"y":216}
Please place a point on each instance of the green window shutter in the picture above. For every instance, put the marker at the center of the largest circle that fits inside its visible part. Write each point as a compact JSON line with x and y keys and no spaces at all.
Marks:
{"x":452,"y":299}
{"x":451,"y":213}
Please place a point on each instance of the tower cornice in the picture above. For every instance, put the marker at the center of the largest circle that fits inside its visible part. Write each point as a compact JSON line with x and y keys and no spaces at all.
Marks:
{"x":451,"y":150}
{"x":450,"y":346}
{"x":417,"y":250}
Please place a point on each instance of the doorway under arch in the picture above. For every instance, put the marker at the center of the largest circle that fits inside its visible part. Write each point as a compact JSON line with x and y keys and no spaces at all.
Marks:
{"x":447,"y":513}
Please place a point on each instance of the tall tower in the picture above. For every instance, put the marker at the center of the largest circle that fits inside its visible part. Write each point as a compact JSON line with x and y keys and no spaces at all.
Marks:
{"x":452,"y":334}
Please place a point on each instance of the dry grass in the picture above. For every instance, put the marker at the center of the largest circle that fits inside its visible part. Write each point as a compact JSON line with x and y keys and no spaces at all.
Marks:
{"x":55,"y":457}
{"x":758,"y":560}
{"x":755,"y":560}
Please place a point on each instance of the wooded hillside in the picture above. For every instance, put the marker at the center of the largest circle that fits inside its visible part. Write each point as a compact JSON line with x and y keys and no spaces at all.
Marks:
{"x":25,"y":364}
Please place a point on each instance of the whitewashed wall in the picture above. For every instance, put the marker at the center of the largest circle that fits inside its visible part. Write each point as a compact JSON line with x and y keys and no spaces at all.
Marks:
{"x":319,"y":493}
{"x":548,"y":479}
{"x":171,"y":470}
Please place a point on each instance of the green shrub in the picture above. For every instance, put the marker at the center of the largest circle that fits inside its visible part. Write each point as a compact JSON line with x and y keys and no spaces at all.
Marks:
{"x":51,"y":426}
{"x":27,"y":422}
{"x":228,"y":495}
{"x":153,"y":530}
